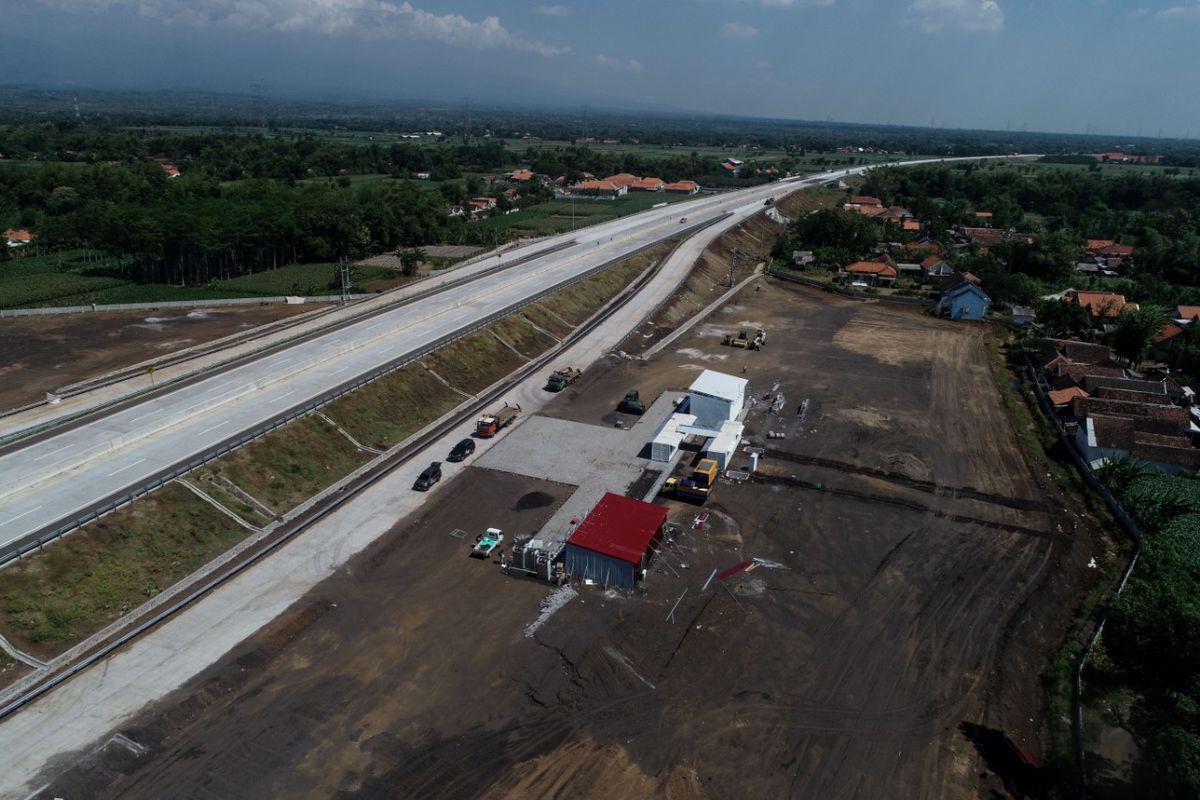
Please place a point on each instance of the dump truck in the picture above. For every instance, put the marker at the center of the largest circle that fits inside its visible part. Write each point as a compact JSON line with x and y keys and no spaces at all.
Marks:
{"x":486,"y":542}
{"x":491,"y":424}
{"x":631,"y":404}
{"x":562,"y":378}
{"x":698,"y":485}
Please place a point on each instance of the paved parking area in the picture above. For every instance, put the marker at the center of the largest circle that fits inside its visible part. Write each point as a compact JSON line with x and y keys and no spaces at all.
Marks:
{"x":594,"y":458}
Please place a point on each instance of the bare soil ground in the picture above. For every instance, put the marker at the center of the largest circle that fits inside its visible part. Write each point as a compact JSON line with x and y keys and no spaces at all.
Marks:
{"x":41,"y":354}
{"x":929,"y":577}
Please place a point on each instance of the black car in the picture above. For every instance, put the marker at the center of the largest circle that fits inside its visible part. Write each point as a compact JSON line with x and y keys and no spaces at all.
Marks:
{"x":431,"y":475}
{"x":461,"y":450}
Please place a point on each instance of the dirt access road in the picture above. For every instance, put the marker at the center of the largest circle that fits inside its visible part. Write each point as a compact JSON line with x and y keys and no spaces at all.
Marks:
{"x":42,"y":354}
{"x":929,"y":577}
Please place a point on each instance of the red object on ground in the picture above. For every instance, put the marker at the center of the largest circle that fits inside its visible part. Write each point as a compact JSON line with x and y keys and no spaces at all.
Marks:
{"x":734,"y":570}
{"x":620,"y":527}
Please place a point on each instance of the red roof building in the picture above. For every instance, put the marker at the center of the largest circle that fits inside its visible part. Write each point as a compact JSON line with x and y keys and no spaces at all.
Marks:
{"x":683,"y":187}
{"x":18,"y":237}
{"x":615,"y":541}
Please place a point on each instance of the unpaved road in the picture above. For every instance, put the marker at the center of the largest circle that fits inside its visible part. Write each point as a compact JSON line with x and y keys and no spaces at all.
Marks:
{"x":929,"y":578}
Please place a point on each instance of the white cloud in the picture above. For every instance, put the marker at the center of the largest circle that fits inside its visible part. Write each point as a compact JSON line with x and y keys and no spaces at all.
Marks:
{"x":373,"y":19}
{"x":737,"y":30}
{"x":553,"y":11}
{"x":633,"y":65}
{"x":1178,"y":12}
{"x":970,"y":16}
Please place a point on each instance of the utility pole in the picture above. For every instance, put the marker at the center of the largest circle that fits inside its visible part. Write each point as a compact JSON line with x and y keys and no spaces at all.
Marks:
{"x":344,"y":270}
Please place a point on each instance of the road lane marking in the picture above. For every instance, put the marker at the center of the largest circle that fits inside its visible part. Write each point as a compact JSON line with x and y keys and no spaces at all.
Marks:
{"x":59,"y":450}
{"x":148,"y":414}
{"x":127,"y":466}
{"x":18,"y":516}
{"x":213,"y":428}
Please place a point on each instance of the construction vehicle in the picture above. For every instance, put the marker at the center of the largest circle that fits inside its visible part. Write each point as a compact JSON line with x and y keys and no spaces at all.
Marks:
{"x":631,"y":404}
{"x":696,"y":487}
{"x":743,"y":340}
{"x":486,"y":542}
{"x":491,"y":424}
{"x":562,"y":378}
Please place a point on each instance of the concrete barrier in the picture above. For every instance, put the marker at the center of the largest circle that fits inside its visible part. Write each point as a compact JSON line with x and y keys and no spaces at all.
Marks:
{"x":231,"y":301}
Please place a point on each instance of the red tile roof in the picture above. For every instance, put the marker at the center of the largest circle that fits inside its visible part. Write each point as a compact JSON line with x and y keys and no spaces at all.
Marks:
{"x":872,"y":268}
{"x":597,"y":186}
{"x":18,"y":235}
{"x":864,"y":200}
{"x":1120,"y":250}
{"x":1100,"y":304}
{"x":650,"y":184}
{"x":1169,"y":331}
{"x":1183,"y":312}
{"x":682,"y":186}
{"x":521,"y":175}
{"x":930,"y":262}
{"x":623,"y":179}
{"x":620,"y":527}
{"x":1063,"y":396}
{"x":1096,"y":244}
{"x":912,"y":224}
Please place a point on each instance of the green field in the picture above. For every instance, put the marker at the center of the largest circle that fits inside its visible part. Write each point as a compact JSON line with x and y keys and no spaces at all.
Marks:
{"x":62,"y":280}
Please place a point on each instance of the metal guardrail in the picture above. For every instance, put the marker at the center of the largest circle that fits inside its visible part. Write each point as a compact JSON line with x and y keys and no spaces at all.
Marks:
{"x":336,"y":501}
{"x":40,"y":538}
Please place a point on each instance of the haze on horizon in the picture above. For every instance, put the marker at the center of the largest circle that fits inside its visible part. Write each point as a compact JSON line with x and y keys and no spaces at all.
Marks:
{"x":1112,"y":66}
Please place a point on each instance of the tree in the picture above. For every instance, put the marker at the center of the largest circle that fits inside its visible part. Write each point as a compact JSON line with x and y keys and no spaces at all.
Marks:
{"x":1135,"y":332}
{"x":1059,"y":318}
{"x":410,"y":260}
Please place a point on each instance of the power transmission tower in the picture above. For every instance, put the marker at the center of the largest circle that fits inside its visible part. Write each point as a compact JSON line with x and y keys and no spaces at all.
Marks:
{"x":344,"y":271}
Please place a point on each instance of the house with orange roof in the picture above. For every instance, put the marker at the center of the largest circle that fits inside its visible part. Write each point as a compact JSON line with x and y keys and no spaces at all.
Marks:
{"x":856,"y":200}
{"x":682,"y":187}
{"x":913,"y":225}
{"x":871,"y":273}
{"x":521,"y":176}
{"x":171,"y":170}
{"x":605,"y":188}
{"x":18,"y":237}
{"x":1061,"y":398}
{"x":648,"y":185}
{"x":1100,"y":304}
{"x":1182,"y":313}
{"x":623,"y":179}
{"x":1095,"y":244}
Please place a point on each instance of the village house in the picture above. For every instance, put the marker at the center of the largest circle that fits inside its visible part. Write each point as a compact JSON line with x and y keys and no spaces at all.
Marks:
{"x":871,"y":273}
{"x":18,"y":237}
{"x":682,"y":187}
{"x":605,"y":188}
{"x":1184,"y":314}
{"x":862,"y":200}
{"x":802,"y":258}
{"x":962,"y":299}
{"x":1100,"y":304}
{"x":935,"y":267}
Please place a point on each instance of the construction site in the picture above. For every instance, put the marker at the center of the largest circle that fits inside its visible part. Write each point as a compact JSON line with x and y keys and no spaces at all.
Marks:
{"x":794,"y":550}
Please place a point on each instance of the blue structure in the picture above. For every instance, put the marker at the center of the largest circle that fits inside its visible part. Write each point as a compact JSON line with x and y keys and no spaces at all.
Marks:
{"x":964,"y":301}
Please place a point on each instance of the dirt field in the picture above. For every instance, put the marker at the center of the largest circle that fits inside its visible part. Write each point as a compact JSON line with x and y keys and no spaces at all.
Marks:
{"x":43,"y":353}
{"x":927,"y":577}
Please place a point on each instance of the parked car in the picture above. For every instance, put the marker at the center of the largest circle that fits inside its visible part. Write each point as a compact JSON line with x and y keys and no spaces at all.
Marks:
{"x":431,"y":475}
{"x":461,"y":450}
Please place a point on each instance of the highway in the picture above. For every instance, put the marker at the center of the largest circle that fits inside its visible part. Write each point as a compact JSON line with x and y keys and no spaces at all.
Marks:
{"x":55,"y":479}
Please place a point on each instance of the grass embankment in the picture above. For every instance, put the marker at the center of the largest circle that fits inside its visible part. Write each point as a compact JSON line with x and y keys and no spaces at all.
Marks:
{"x":78,"y":278}
{"x":289,"y":465}
{"x":82,"y":582}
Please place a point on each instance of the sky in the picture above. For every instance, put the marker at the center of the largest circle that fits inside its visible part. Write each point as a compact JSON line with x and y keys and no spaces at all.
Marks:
{"x":1050,"y":65}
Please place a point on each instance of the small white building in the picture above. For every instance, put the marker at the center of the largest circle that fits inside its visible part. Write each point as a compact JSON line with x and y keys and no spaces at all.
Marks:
{"x":666,"y":442}
{"x":723,"y":446}
{"x":716,"y":398}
